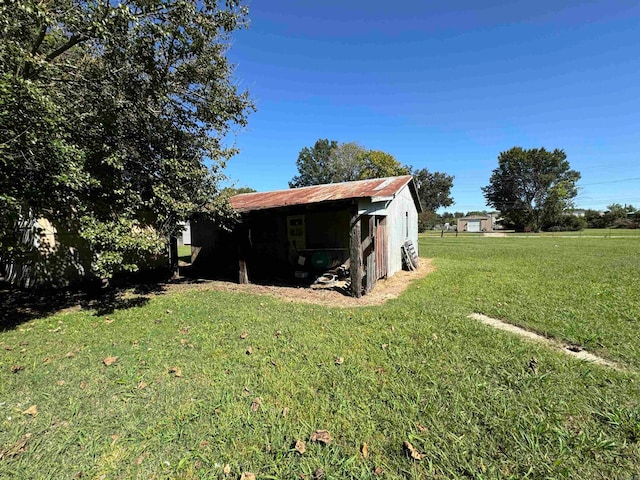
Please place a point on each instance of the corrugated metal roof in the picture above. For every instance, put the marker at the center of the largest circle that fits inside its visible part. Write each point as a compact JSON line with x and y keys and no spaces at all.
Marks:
{"x":376,"y":188}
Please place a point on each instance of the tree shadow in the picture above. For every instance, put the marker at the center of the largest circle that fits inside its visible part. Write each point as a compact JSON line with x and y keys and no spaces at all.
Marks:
{"x":21,"y":305}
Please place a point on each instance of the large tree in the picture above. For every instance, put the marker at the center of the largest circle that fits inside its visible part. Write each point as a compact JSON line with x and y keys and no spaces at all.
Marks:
{"x":532,"y":188}
{"x":331,"y":162}
{"x":434,"y":189}
{"x":112,"y":122}
{"x":315,"y":165}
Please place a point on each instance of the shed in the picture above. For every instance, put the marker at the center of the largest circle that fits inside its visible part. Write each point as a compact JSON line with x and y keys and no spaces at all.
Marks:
{"x":475,"y":223}
{"x":285,"y":233}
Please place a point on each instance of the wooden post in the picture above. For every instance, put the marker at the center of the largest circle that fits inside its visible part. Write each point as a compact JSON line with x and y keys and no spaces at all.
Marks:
{"x":371,"y":255}
{"x":243,"y":245}
{"x":355,"y":252}
{"x":173,"y":256}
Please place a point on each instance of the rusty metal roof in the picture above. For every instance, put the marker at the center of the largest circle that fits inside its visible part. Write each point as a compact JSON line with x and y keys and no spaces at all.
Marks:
{"x":376,"y":189}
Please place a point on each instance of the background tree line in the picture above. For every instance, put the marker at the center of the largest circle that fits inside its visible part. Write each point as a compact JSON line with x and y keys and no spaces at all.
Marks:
{"x":329,"y":161}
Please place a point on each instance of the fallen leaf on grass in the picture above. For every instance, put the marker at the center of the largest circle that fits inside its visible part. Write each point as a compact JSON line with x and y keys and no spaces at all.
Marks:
{"x":109,"y":361}
{"x":318,"y":474}
{"x":365,"y":450}
{"x":142,"y":384}
{"x":8,"y":348}
{"x":185,"y":330}
{"x":24,"y":343}
{"x":169,"y":311}
{"x":412,"y":451}
{"x":60,"y":383}
{"x":18,"y":448}
{"x":227,"y":469}
{"x":278,"y":333}
{"x":83,"y":385}
{"x":321,"y":436}
{"x":183,"y":341}
{"x":384,"y":346}
{"x":70,"y":355}
{"x":246,"y":392}
{"x":247,"y":476}
{"x":378,"y":471}
{"x":32,"y":410}
{"x":339,"y":361}
{"x":139,"y":460}
{"x":300,"y":447}
{"x":16,"y":368}
{"x":285,"y":411}
{"x":421,"y":428}
{"x":255,"y":405}
{"x":108,"y":320}
{"x":244,"y":335}
{"x":177,"y":371}
{"x":249,"y":350}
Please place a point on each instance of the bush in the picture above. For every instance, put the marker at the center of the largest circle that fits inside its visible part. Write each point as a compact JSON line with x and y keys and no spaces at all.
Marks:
{"x":567,"y":223}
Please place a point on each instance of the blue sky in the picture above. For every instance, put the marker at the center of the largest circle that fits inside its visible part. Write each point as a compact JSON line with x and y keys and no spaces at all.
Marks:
{"x":445,"y":85}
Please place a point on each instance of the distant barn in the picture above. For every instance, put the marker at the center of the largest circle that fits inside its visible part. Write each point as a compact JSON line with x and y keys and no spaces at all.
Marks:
{"x":288,"y":233}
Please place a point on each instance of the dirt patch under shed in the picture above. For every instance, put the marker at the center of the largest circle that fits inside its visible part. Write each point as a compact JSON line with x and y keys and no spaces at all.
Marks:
{"x":384,"y":290}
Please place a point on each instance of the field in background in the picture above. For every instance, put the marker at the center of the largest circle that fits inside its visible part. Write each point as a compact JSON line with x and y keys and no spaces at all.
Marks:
{"x":199,"y":383}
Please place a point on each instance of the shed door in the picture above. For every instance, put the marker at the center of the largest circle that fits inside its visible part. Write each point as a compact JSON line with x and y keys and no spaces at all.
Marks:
{"x":381,"y":247}
{"x":473,"y":225}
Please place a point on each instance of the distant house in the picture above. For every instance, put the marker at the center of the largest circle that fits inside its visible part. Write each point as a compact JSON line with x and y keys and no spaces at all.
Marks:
{"x":313,"y":229}
{"x":476,"y":223}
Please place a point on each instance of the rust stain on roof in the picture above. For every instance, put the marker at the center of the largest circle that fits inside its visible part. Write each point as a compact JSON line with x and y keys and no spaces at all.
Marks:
{"x":381,"y":188}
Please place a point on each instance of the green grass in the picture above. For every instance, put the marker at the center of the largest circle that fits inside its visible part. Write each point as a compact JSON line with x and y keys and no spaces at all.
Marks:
{"x":579,"y":290}
{"x":459,"y":391}
{"x":184,"y":253}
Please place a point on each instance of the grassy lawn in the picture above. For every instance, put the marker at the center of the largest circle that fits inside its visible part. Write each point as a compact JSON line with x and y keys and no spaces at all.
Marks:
{"x":188,"y":397}
{"x":580,"y":290}
{"x":184,"y":253}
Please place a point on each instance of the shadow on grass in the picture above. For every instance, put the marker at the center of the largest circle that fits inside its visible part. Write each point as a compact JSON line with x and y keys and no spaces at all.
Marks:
{"x":20,"y":305}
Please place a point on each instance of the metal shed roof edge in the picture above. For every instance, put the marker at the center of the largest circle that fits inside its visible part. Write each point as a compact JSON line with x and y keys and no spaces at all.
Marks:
{"x":386,"y":187}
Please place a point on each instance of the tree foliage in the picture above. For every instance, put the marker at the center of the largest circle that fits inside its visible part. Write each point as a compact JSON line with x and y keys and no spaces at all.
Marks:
{"x":315,"y":165}
{"x":109,"y":116}
{"x":331,"y":162}
{"x":532,"y":188}
{"x":434,"y":189}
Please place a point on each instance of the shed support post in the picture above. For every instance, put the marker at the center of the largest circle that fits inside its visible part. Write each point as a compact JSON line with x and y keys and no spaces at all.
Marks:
{"x":243,"y":248}
{"x":355,"y":252}
{"x":371,"y":255}
{"x":173,"y":256}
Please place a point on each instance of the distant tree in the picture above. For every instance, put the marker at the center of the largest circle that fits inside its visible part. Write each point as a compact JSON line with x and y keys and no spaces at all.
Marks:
{"x":315,"y":165}
{"x":594,"y":218}
{"x":434,"y":189}
{"x":347,"y":161}
{"x":379,"y":164}
{"x":459,"y":214}
{"x":231,"y":191}
{"x":619,"y":216}
{"x":476,"y":213}
{"x":330,"y":162}
{"x":531,"y":188}
{"x":427,"y":220}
